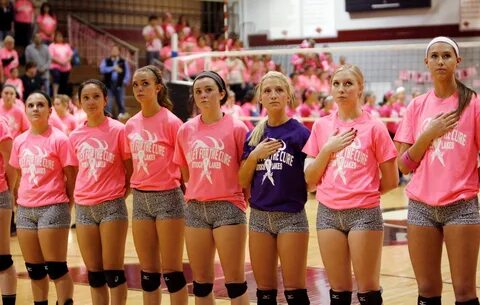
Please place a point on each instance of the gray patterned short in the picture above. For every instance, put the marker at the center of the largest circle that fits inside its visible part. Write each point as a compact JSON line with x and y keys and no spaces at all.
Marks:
{"x":213,"y":214}
{"x":54,"y":216}
{"x":5,"y":200}
{"x":461,"y":212}
{"x":276,"y":223}
{"x":110,"y":210}
{"x":158,"y":205}
{"x":350,"y":219}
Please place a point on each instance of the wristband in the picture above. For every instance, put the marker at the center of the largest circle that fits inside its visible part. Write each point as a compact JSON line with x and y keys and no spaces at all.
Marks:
{"x":408,"y":162}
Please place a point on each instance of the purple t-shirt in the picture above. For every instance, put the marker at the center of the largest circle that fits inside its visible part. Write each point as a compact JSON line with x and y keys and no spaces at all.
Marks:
{"x":278,"y":182}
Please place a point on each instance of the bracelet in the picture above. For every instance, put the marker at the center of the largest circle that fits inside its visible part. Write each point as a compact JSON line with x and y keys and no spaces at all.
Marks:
{"x":408,"y":162}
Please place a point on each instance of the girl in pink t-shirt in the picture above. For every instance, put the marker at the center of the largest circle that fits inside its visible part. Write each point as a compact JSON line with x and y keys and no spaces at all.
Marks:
{"x":8,"y":281}
{"x":8,"y":56}
{"x":104,"y":170}
{"x":158,"y":222}
{"x":47,"y":23}
{"x":15,"y":81}
{"x":439,"y":140}
{"x":208,"y":150}
{"x":44,"y":158}
{"x":61,"y":53}
{"x":14,"y":114}
{"x":352,"y":161}
{"x":67,"y":122}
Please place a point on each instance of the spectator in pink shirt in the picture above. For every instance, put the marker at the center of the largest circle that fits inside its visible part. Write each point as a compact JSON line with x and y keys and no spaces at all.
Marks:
{"x":183,"y":25}
{"x":13,"y":112}
{"x":44,"y":157}
{"x":208,"y":150}
{"x":104,"y":170}
{"x":439,"y":141}
{"x":61,"y":54}
{"x":15,"y":81}
{"x":24,"y":16}
{"x":8,"y":55}
{"x":67,"y":120}
{"x":47,"y":23}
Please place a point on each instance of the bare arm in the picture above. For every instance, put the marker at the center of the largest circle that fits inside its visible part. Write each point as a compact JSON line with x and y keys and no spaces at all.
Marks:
{"x":70,"y":173}
{"x":128,"y":174}
{"x":263,"y":150}
{"x":314,"y":170}
{"x":439,"y":126}
{"x":185,"y":173}
{"x":389,"y":179}
{"x":11,"y":173}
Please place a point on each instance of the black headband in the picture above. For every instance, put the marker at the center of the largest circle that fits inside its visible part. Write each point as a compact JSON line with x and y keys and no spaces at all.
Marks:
{"x":213,"y":75}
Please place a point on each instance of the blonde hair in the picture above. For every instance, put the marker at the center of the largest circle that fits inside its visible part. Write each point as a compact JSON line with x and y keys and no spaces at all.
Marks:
{"x":257,"y":133}
{"x":64,"y":99}
{"x":357,"y":73}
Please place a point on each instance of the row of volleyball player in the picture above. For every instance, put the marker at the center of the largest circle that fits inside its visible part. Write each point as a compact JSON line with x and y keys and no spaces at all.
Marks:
{"x":191,"y":182}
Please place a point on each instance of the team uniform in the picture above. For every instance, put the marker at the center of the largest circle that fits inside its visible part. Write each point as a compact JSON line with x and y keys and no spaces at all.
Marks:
{"x":42,"y":198}
{"x":450,"y":159}
{"x":278,"y":190}
{"x":348,"y":193}
{"x":212,"y":153}
{"x":100,"y":186}
{"x":156,"y":179}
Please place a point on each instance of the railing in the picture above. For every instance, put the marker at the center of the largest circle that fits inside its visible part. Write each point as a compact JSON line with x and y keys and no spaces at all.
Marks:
{"x":94,"y":44}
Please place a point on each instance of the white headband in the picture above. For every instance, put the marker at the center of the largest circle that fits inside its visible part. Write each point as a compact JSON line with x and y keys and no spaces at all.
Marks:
{"x":445,"y":40}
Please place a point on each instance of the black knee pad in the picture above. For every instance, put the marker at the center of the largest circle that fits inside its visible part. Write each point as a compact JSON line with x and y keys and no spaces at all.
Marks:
{"x":235,"y":290}
{"x":40,"y":302}
{"x":471,"y":302}
{"x":115,"y":278}
{"x":429,"y":301}
{"x":370,"y":298}
{"x":340,"y":297}
{"x":96,"y":279}
{"x":267,"y":297}
{"x":202,"y":289}
{"x":297,"y":297}
{"x":5,"y":262}
{"x":175,"y":281}
{"x":150,"y":280}
{"x":56,"y":270}
{"x":36,"y":271}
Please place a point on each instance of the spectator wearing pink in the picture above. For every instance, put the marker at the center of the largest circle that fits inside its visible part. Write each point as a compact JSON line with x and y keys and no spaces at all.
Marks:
{"x":309,"y":79}
{"x":219,"y":65}
{"x":159,"y":228}
{"x":256,"y":68}
{"x":235,"y":76}
{"x":46,"y":161}
{"x":327,"y":63}
{"x":153,"y":35}
{"x":388,"y":111}
{"x":14,"y":114}
{"x":351,"y":162}
{"x":251,"y":107}
{"x":61,"y":114}
{"x":324,"y":82}
{"x":61,"y":54}
{"x":183,"y":26}
{"x":198,"y":65}
{"x":47,"y":23}
{"x":8,"y":176}
{"x":77,"y":111}
{"x":328,"y":106}
{"x":104,"y":170}
{"x":15,"y":81}
{"x":191,"y":40}
{"x":400,"y":103}
{"x":24,"y":17}
{"x":310,"y":107}
{"x":208,"y":150}
{"x":231,"y":108}
{"x":370,"y":104}
{"x":439,"y":140}
{"x":168,"y":27}
{"x":8,"y":56}
{"x":269,"y":63}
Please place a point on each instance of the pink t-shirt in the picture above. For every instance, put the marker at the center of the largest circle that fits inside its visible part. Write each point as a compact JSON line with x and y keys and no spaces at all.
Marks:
{"x":47,"y":26}
{"x":100,"y":152}
{"x":7,"y":54}
{"x":154,"y":43}
{"x":151,"y":142}
{"x":212,"y":153}
{"x":16,"y":119}
{"x":41,"y":159}
{"x":24,"y":11}
{"x":448,"y":170}
{"x":352,"y":177}
{"x":63,"y":53}
{"x":4,"y":135}
{"x":66,"y":124}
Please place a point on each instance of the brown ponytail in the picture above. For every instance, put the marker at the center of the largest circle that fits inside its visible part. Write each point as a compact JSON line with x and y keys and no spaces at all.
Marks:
{"x":464,"y":96}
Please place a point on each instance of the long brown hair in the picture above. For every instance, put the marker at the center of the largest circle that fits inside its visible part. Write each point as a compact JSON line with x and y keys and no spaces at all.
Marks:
{"x":162,"y":96}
